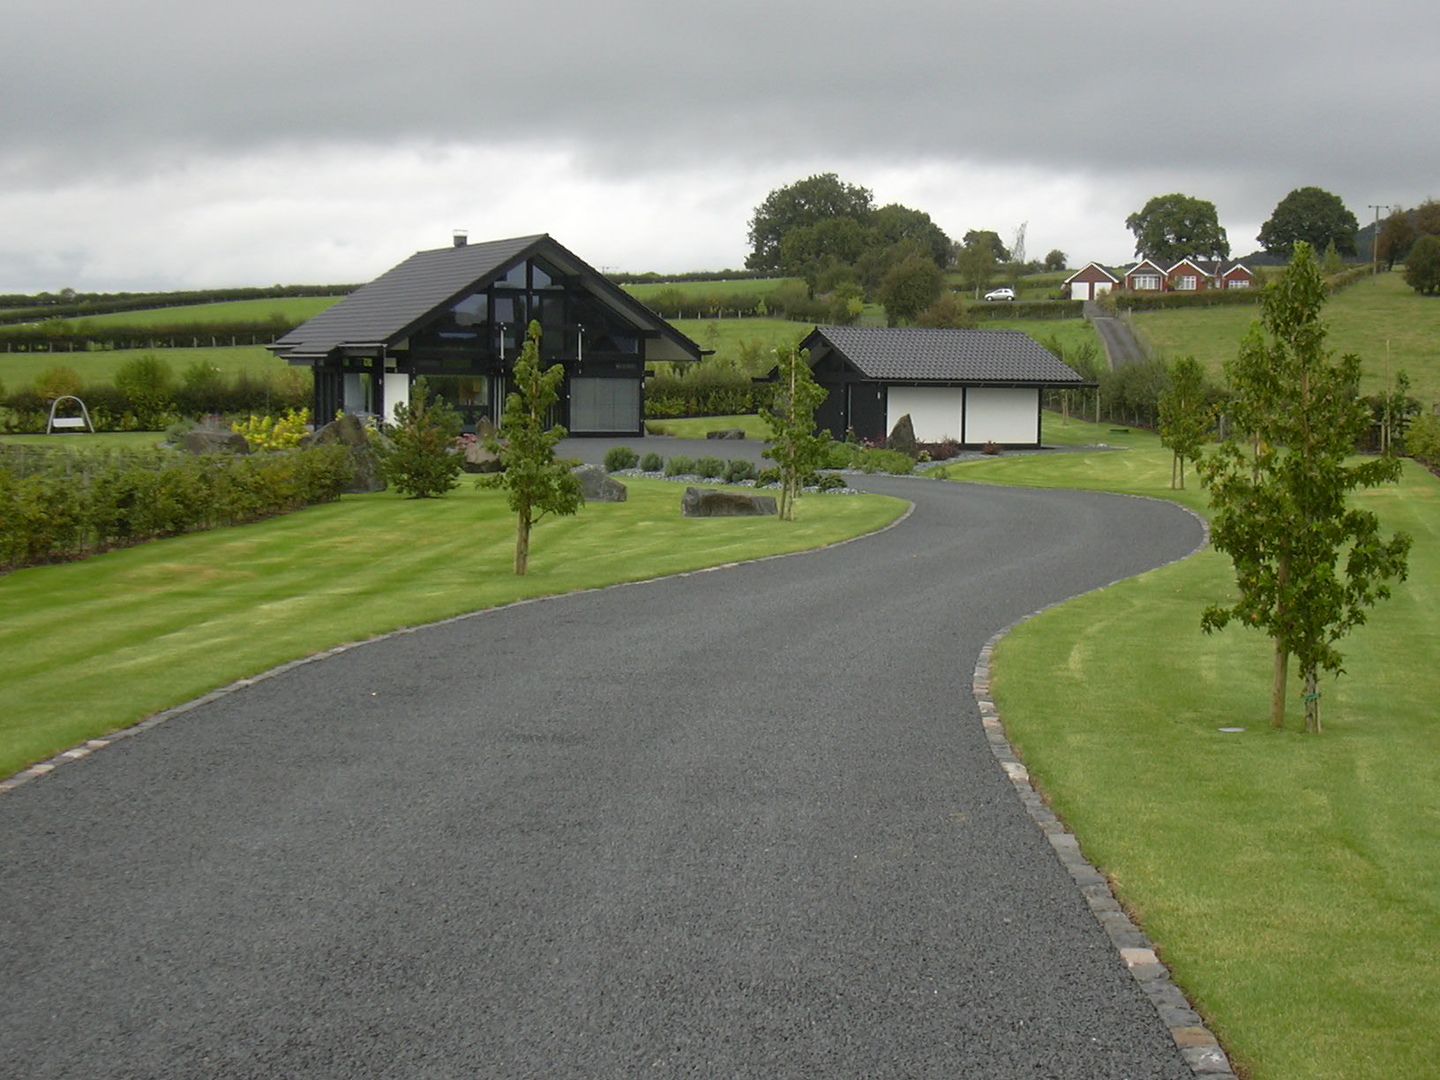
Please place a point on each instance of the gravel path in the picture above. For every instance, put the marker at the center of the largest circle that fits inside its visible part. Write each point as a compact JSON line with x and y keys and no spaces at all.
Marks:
{"x":739,"y":824}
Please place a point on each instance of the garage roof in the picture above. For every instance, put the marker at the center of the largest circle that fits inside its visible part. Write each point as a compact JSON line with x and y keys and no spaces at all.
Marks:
{"x":919,"y":354}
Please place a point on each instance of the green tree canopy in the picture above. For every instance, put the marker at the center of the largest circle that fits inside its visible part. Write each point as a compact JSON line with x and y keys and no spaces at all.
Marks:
{"x":1397,"y":235}
{"x":987,"y":238}
{"x":420,"y":460}
{"x":910,"y":286}
{"x":1427,"y":218}
{"x":1056,"y":260}
{"x":805,"y":202}
{"x":1185,"y":416}
{"x":1172,"y":227}
{"x":894,"y":224}
{"x":1422,"y":266}
{"x":795,"y":446}
{"x":1280,"y":486}
{"x":1313,"y":215}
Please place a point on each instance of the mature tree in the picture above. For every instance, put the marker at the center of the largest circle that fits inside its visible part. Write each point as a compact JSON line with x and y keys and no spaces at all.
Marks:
{"x":536,"y":483}
{"x":1056,"y":260}
{"x":1185,"y":416}
{"x":1397,"y":234}
{"x":894,"y":224}
{"x":976,"y":263}
{"x":1427,"y":218}
{"x":1422,"y":266}
{"x":1313,"y":215}
{"x":806,"y":249}
{"x":795,"y":446}
{"x":1169,"y":228}
{"x":1279,"y":498}
{"x":420,"y":460}
{"x":910,"y":286}
{"x":805,"y":202}
{"x":989,"y":239}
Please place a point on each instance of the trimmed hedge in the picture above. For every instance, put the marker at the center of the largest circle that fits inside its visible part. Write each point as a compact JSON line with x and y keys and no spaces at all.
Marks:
{"x":16,"y":307}
{"x":704,"y":393}
{"x":64,"y":337}
{"x":1026,"y":309}
{"x":59,"y":505}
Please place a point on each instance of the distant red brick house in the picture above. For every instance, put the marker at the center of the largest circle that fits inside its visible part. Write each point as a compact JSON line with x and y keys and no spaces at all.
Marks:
{"x":1187,"y":275}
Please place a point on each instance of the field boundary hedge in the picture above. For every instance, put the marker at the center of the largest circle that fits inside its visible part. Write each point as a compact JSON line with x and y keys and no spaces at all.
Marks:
{"x":59,"y":505}
{"x":15,"y":308}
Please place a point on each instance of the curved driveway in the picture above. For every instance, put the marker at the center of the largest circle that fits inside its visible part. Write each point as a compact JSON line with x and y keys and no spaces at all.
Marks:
{"x":735,"y":824}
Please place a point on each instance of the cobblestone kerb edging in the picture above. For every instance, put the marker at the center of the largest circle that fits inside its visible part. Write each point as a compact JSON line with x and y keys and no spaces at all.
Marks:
{"x":1197,"y":1044}
{"x":85,"y":749}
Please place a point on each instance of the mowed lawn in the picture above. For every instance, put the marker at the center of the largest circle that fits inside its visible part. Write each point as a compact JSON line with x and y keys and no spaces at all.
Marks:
{"x":97,"y":645}
{"x":1363,"y":318}
{"x":1292,"y":882}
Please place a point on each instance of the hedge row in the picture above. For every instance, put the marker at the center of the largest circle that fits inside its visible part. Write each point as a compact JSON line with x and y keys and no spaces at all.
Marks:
{"x":704,"y":393}
{"x":58,"y":505}
{"x":112,"y":409}
{"x":21,"y":308}
{"x":1026,"y":309}
{"x":64,"y":337}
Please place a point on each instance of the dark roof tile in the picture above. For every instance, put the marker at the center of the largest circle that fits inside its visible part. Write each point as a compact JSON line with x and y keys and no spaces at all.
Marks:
{"x":916,"y":354}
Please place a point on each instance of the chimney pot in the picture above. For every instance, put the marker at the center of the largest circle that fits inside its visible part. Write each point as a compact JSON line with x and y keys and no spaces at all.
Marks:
{"x":460,"y":237}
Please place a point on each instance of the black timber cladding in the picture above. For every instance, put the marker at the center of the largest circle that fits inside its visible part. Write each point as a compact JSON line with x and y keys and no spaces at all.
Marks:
{"x":387,"y":309}
{"x":922,"y":355}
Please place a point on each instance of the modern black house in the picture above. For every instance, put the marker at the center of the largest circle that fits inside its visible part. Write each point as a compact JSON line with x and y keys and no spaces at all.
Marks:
{"x":972,"y":386}
{"x":458,"y":316}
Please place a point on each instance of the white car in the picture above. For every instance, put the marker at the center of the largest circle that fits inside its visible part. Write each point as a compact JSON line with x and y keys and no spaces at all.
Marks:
{"x":1000,"y":294}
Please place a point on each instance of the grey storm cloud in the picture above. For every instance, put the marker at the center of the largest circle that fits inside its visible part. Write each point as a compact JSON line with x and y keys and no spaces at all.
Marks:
{"x":1250,"y":98}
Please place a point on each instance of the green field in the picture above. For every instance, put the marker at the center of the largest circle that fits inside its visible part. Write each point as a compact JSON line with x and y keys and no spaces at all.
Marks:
{"x":82,"y":442}
{"x":1363,"y":319}
{"x":19,"y":370}
{"x":699,"y":291}
{"x":289,"y":310}
{"x":696,"y":427}
{"x":98,"y":645}
{"x":724,"y":336}
{"x":1291,"y":882}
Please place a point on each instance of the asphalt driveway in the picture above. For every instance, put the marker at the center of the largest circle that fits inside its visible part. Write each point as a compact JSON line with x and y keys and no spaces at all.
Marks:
{"x":741,"y":824}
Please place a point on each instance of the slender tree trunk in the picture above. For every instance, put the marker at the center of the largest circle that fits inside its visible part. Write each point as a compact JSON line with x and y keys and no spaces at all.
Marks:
{"x":1312,"y":700}
{"x":522,"y":541}
{"x":1182,"y":474}
{"x":1282,"y":653}
{"x":1174,"y":469}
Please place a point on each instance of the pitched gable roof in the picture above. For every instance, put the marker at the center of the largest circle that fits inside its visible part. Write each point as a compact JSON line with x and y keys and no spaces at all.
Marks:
{"x":389,"y":308}
{"x":1087,"y":266}
{"x":918,"y":354}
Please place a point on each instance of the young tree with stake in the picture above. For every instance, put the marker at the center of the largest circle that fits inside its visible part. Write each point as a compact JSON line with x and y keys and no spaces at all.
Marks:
{"x":536,"y":483}
{"x":1185,"y":417}
{"x":1279,"y":488}
{"x":795,"y":446}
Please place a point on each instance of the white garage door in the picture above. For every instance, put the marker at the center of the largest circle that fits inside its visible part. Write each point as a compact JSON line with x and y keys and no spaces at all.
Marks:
{"x":1002,"y":415}
{"x":1079,"y":290}
{"x":934,"y":410}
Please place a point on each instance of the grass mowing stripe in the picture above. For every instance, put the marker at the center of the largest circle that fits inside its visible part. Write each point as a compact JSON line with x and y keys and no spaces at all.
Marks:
{"x":1291,"y":882}
{"x":97,"y":645}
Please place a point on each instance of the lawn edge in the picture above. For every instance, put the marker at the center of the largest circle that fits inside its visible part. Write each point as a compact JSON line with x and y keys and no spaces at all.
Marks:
{"x":90,"y":746}
{"x":1197,"y":1044}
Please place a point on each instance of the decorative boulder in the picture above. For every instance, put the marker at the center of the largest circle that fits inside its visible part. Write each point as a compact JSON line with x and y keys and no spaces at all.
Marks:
{"x":599,"y":486}
{"x":726,"y":433}
{"x":214,"y":440}
{"x":347,"y":430}
{"x":902,"y":437}
{"x":706,"y":502}
{"x":478,"y":459}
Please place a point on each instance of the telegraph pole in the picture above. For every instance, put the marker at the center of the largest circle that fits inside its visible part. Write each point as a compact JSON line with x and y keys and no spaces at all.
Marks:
{"x":1375,"y":239}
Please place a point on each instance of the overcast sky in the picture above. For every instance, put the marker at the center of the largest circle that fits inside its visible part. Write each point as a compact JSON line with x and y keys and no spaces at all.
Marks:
{"x":148,"y":144}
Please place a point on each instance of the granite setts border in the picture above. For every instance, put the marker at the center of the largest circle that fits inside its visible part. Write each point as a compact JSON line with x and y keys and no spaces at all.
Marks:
{"x":1197,"y":1044}
{"x":91,"y":746}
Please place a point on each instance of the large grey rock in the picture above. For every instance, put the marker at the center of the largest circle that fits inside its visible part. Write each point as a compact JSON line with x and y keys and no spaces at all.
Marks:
{"x":707,"y":502}
{"x":214,"y":440}
{"x":478,"y":459}
{"x":902,"y":437}
{"x":599,"y":486}
{"x":346,"y":430}
{"x":726,"y":433}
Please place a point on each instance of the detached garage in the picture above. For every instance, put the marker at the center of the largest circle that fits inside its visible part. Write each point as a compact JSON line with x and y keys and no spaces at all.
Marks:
{"x":972,"y":386}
